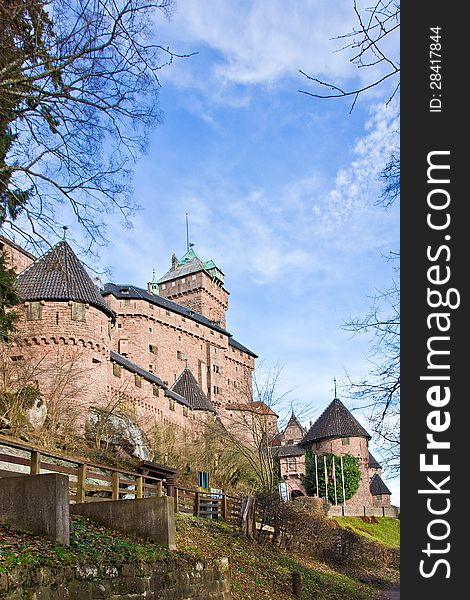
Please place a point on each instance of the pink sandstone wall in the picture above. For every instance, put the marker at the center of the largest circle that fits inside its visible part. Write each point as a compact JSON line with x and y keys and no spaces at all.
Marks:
{"x":200,"y":293}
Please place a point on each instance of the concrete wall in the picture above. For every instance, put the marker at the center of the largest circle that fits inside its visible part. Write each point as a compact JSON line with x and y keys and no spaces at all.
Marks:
{"x":359,"y":511}
{"x":142,"y":581}
{"x":37,"y":503}
{"x":146,"y":518}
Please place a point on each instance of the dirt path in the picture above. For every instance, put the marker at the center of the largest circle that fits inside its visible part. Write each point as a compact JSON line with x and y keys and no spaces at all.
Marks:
{"x":392,"y":593}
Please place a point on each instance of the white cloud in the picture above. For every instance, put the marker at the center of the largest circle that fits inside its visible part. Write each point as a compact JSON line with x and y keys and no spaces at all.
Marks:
{"x":259,"y":42}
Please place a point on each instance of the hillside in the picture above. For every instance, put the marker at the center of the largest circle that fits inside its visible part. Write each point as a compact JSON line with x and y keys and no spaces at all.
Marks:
{"x":379,"y":529}
{"x":257,"y":572}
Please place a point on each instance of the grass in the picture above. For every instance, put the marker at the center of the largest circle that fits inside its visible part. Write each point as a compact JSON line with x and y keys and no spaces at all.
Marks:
{"x":382,"y":529}
{"x":88,"y":543}
{"x":265,"y":572}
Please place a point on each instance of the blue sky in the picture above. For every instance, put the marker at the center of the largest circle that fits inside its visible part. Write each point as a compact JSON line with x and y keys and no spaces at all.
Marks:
{"x":280,"y":187}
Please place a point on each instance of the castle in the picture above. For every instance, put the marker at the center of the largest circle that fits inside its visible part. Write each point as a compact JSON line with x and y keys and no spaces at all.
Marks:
{"x":162,"y":354}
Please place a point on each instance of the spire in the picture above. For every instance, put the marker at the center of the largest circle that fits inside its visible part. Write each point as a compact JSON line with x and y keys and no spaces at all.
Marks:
{"x":153,"y":287}
{"x":336,"y":395}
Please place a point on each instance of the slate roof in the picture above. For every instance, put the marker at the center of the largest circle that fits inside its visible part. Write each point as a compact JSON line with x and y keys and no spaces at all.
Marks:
{"x":192,"y":266}
{"x":133,"y":368}
{"x":335,"y":421}
{"x":373,"y":464}
{"x":238,"y":346}
{"x":377,"y":486}
{"x":191,"y":263}
{"x":135,"y":293}
{"x":59,"y":275}
{"x":187,"y":386}
{"x":295,"y":421}
{"x":292,"y":450}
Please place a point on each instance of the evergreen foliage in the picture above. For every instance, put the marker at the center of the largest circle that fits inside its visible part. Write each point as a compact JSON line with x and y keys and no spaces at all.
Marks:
{"x":351,"y":470}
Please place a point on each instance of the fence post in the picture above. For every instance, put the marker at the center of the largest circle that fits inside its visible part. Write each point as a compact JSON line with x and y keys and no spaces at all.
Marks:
{"x":223,"y":507}
{"x":81,"y":481}
{"x":175,"y":493}
{"x":35,"y":463}
{"x":139,"y":487}
{"x":296,"y":584}
{"x":115,"y":493}
{"x":170,"y":485}
{"x":196,"y":504}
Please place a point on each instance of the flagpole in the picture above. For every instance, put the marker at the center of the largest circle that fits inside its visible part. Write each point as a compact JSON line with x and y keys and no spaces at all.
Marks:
{"x":333,"y":476}
{"x":316,"y":473}
{"x":326,"y":479}
{"x":342,"y":479}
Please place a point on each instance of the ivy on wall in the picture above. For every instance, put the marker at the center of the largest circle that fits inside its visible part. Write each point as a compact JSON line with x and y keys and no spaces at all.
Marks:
{"x":351,"y":471}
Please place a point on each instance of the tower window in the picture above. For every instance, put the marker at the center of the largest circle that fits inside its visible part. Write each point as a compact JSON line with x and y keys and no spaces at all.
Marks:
{"x":117,"y":370}
{"x":78,"y":312}
{"x":153,"y":349}
{"x":345,"y":441}
{"x":138,"y":380}
{"x":163,"y":286}
{"x":34,"y":311}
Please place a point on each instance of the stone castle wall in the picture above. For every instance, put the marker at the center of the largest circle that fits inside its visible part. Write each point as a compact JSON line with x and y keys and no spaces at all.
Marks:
{"x":161,"y":341}
{"x":358,"y":447}
{"x":200,"y":293}
{"x":16,"y":258}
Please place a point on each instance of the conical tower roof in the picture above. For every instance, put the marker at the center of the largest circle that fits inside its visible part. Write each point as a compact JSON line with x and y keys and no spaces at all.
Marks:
{"x":187,"y":386}
{"x":335,"y":421}
{"x":377,"y":486}
{"x":59,"y":275}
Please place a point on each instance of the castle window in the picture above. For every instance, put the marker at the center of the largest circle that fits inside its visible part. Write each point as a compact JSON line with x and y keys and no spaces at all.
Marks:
{"x":183,"y":280}
{"x":127,"y":301}
{"x":124,"y":290}
{"x":173,"y":283}
{"x":167,"y":312}
{"x":163,"y":286}
{"x":34,"y":311}
{"x":150,"y":329}
{"x":151,"y":368}
{"x":96,"y":361}
{"x":117,"y":370}
{"x":216,"y":368}
{"x":345,"y":441}
{"x":78,"y":312}
{"x":17,"y":357}
{"x":197,"y":325}
{"x":179,"y":355}
{"x":193,"y":277}
{"x":153,"y":349}
{"x":212,"y":333}
{"x":172,"y":404}
{"x":138,"y":380}
{"x":183,"y":319}
{"x":185,"y":408}
{"x":155,"y":390}
{"x":119,"y":325}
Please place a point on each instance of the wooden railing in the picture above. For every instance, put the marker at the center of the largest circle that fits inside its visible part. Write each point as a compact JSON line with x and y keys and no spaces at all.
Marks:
{"x":90,"y":482}
{"x":210,"y":505}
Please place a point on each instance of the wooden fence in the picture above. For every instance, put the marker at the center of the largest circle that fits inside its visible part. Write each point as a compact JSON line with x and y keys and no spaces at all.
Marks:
{"x":91,"y":482}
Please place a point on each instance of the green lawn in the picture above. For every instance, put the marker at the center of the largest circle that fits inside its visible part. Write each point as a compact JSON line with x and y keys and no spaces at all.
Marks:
{"x":385,"y":530}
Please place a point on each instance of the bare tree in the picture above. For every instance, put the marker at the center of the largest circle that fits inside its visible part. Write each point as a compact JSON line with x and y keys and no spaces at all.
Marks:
{"x":251,"y":423}
{"x":78,"y":96}
{"x":368,"y":41}
{"x":379,"y":391}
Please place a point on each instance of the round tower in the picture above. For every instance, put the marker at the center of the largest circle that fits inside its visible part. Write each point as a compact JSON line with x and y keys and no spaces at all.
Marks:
{"x":62,"y":337}
{"x":337,"y":432}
